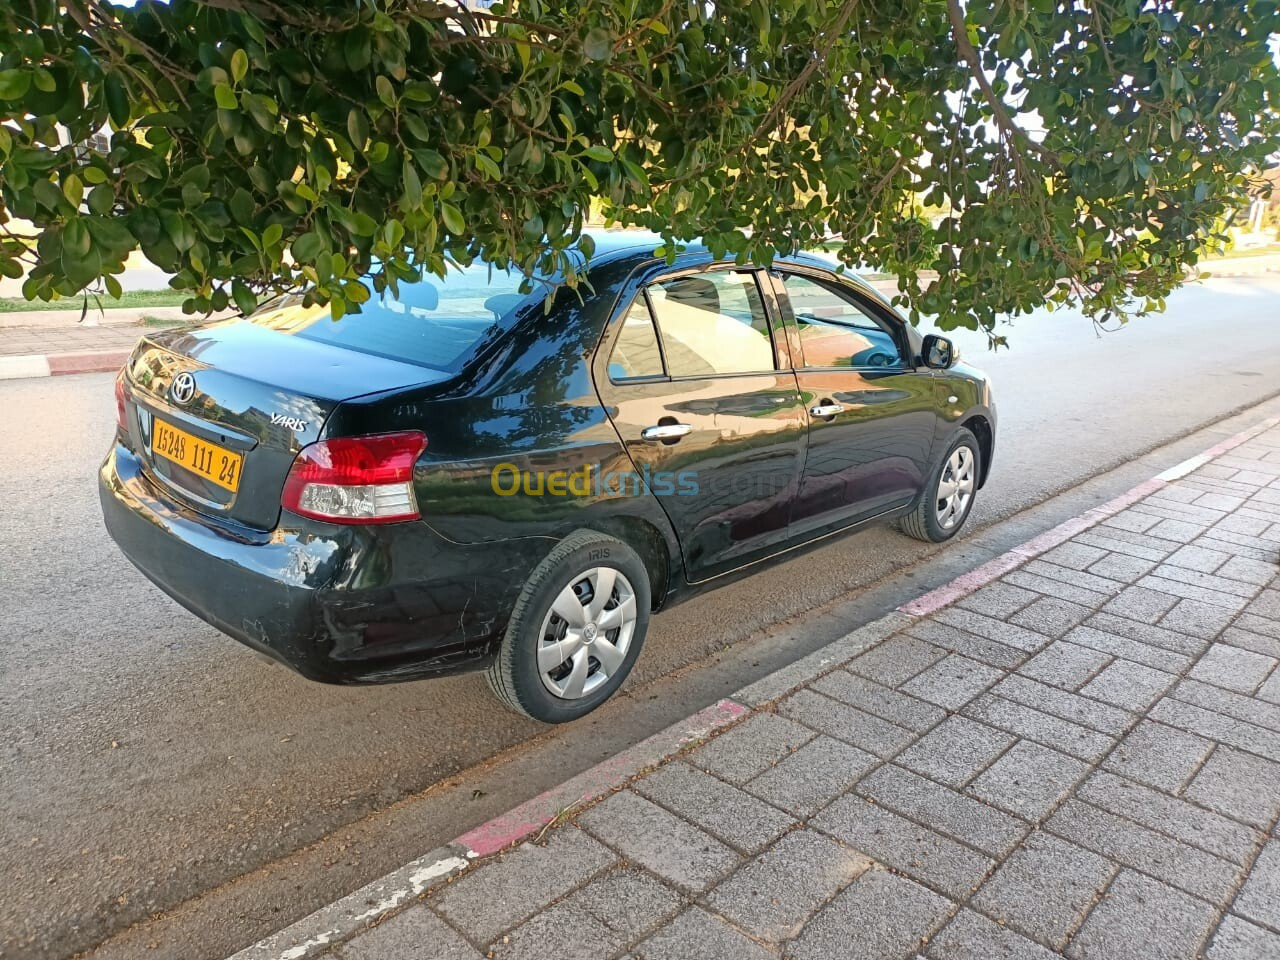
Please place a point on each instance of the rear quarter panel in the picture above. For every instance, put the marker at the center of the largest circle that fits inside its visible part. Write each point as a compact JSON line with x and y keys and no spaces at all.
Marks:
{"x":518,"y":445}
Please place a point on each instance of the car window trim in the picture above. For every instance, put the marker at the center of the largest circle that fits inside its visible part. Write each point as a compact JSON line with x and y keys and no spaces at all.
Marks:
{"x":831,"y":282}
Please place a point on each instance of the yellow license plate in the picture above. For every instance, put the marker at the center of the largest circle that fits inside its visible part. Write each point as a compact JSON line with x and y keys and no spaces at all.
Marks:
{"x":216,"y":464}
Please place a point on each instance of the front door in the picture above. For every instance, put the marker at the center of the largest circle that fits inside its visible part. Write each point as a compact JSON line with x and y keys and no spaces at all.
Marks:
{"x":870,"y":413}
{"x":710,"y":416}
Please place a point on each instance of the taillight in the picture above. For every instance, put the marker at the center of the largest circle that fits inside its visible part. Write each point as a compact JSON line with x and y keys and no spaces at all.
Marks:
{"x":121,"y":420}
{"x":356,"y":479}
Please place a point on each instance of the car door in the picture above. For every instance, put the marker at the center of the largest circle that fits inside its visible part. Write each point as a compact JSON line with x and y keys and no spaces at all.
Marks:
{"x":870,"y":413}
{"x":699,"y":387}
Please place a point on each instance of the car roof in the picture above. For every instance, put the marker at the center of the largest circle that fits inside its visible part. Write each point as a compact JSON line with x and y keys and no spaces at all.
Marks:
{"x":637,"y":246}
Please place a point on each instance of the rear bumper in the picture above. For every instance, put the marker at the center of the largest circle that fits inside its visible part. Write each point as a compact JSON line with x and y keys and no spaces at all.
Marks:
{"x":370,"y":604}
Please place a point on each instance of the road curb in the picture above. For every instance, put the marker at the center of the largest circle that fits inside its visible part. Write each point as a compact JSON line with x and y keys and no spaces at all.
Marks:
{"x":339,"y":920}
{"x":26,"y":366}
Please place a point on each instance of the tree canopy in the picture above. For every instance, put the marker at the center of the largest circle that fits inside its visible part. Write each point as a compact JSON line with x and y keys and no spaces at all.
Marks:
{"x":1027,"y":151}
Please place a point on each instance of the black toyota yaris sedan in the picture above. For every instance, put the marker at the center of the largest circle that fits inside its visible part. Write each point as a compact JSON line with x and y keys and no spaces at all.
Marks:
{"x":460,"y":479}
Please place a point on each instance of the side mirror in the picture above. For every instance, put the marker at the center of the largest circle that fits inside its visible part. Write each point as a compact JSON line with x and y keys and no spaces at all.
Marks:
{"x":939,"y":352}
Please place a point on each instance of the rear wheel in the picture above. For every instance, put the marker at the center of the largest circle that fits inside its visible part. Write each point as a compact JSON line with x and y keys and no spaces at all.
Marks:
{"x":946,"y":501}
{"x":576,"y":629}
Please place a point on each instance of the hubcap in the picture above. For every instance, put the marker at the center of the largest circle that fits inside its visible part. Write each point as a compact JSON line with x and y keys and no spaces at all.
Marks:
{"x":955,"y":488}
{"x":587,"y":633}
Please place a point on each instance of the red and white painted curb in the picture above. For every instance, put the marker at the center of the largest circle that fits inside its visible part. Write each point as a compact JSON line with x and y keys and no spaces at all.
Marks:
{"x":979,"y":577}
{"x":60,"y":364}
{"x":339,"y":920}
{"x":343,"y":918}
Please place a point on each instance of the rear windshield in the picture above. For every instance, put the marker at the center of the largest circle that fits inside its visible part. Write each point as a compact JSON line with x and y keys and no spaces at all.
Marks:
{"x":439,"y":323}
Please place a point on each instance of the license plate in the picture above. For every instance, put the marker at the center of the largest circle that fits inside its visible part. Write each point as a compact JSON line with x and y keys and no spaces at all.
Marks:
{"x":208,"y":460}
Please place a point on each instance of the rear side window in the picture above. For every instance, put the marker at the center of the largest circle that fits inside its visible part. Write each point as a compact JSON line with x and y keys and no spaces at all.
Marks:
{"x":635,"y":354}
{"x":712,"y":323}
{"x":439,"y":323}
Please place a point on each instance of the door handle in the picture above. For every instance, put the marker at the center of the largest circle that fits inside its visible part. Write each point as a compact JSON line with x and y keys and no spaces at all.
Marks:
{"x":665,"y":432}
{"x":826,"y":409}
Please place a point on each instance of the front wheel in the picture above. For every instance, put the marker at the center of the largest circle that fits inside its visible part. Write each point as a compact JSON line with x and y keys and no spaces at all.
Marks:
{"x":576,"y":630}
{"x":947,"y":499}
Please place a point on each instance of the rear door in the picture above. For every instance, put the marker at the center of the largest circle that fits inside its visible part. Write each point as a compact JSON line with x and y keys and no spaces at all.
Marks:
{"x":697,"y":384}
{"x":870,"y":413}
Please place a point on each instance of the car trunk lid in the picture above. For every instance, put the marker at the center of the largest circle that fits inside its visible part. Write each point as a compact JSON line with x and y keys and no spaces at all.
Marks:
{"x":219,"y":413}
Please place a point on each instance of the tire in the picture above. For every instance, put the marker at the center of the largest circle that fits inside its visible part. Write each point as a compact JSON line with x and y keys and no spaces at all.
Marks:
{"x":579,"y":566}
{"x":928,"y":521}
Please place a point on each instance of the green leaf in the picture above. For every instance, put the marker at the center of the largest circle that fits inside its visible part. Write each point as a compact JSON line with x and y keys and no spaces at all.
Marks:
{"x":356,"y":292}
{"x":14,"y":84}
{"x":357,"y":48}
{"x":225,"y":97}
{"x":83,"y":269}
{"x":179,"y":230}
{"x":75,"y":238}
{"x":47,"y":194}
{"x":307,"y":247}
{"x":598,"y":152}
{"x":412,"y":185}
{"x":44,"y":80}
{"x":254,"y":29}
{"x":417,"y":127}
{"x":111,"y":234}
{"x":73,"y":190}
{"x":386,"y":92}
{"x":246,"y":302}
{"x":239,"y":65}
{"x":363,"y":225}
{"x":198,"y":176}
{"x":433,"y":165}
{"x":357,"y":127}
{"x":102,"y":199}
{"x":241,"y":205}
{"x":597,"y":45}
{"x":452,"y":218}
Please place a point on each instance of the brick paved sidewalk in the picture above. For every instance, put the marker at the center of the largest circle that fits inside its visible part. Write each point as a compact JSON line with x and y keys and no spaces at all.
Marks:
{"x":23,"y":341}
{"x":1081,"y":759}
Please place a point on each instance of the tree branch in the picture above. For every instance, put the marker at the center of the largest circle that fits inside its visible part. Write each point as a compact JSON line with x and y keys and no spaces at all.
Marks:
{"x":960,"y":32}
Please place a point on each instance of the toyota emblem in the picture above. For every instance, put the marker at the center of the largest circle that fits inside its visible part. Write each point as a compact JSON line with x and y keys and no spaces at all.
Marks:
{"x":183,"y":388}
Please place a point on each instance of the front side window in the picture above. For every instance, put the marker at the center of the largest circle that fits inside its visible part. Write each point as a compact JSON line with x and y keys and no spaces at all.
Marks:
{"x":712,"y":324}
{"x":835,"y":331}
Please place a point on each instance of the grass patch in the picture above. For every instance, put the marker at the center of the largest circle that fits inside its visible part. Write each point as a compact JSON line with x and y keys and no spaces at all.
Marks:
{"x":130,"y":298}
{"x":1267,"y":251}
{"x":147,"y":320}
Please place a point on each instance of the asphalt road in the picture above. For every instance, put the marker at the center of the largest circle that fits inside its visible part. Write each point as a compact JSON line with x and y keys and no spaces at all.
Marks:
{"x":146,"y":759}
